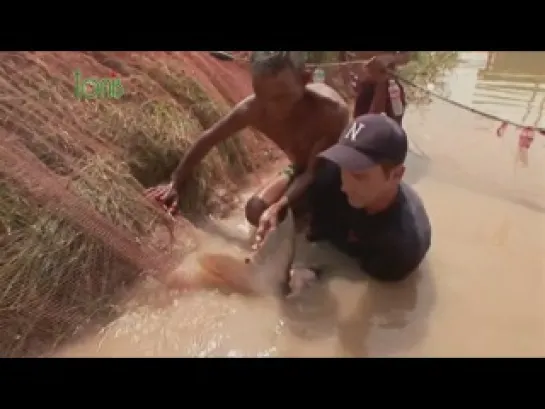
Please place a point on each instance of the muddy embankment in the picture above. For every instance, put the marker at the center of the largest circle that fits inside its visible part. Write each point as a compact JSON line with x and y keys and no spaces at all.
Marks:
{"x":73,"y":223}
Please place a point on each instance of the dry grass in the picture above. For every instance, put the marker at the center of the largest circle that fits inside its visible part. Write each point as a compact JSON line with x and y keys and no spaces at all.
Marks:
{"x":59,"y":267}
{"x":55,"y":274}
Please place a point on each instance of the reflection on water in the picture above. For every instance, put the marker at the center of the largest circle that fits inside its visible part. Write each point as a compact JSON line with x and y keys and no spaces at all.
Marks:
{"x":510,"y":85}
{"x":480,"y":292}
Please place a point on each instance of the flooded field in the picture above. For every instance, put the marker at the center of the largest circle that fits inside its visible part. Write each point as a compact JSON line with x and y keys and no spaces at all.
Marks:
{"x":479,"y":293}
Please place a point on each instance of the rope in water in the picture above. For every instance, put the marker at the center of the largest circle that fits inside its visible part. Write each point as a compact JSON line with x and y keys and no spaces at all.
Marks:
{"x":224,"y":56}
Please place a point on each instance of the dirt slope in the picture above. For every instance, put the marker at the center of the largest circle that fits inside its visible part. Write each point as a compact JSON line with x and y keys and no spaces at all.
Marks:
{"x":93,"y":152}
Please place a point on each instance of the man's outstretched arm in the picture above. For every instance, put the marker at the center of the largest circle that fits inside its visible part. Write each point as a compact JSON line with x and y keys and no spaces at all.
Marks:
{"x":236,"y":120}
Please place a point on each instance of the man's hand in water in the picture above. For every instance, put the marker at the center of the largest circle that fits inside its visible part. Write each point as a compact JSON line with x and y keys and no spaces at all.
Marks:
{"x":268,"y":222}
{"x":166,"y":195}
{"x":301,"y":278}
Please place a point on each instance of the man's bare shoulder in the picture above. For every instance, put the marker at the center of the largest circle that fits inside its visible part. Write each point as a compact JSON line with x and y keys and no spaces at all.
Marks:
{"x":327,"y":100}
{"x":325,"y":94}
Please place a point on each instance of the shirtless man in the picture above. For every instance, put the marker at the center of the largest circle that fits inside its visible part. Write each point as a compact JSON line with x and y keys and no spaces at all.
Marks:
{"x":301,"y":118}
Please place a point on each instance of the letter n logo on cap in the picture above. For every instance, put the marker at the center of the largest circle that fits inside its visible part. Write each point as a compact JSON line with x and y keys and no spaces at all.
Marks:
{"x":354,"y":130}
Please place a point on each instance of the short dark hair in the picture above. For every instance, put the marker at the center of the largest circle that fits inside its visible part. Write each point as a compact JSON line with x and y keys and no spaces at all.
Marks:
{"x":272,"y":62}
{"x":387,"y":166}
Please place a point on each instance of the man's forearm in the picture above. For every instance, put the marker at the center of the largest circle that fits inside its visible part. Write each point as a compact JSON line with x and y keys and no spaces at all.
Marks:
{"x":194,"y":154}
{"x":179,"y":174}
{"x":296,"y":189}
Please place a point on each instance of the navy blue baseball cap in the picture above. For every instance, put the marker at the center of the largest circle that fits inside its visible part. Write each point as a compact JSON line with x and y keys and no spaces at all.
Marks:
{"x":369,"y":140}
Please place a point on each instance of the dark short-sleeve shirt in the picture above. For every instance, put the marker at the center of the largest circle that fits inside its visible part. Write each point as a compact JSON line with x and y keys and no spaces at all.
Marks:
{"x":389,"y":245}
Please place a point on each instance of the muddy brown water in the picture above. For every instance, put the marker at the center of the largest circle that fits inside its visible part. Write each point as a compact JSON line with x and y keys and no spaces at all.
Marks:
{"x":479,"y":293}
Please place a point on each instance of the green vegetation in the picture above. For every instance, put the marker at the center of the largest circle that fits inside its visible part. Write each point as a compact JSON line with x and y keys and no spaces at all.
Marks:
{"x":428,"y":68}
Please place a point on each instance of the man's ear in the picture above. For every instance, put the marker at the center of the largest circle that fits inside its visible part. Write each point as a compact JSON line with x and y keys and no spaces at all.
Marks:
{"x":398,"y":172}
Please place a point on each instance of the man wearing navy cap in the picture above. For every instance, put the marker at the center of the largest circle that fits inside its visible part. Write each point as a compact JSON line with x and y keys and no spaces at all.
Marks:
{"x":360,"y":204}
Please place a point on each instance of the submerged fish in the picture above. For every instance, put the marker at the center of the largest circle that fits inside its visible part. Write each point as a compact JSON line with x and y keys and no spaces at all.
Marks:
{"x":265,"y":272}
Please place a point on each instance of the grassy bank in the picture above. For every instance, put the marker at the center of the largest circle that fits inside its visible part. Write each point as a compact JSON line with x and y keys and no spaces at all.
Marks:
{"x":59,"y":267}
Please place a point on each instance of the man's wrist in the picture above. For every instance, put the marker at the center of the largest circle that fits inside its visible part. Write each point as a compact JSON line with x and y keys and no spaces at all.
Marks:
{"x":177,"y":183}
{"x":282,"y":202}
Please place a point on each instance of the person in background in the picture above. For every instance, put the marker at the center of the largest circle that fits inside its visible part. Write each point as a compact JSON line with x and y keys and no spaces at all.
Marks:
{"x":376,"y":91}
